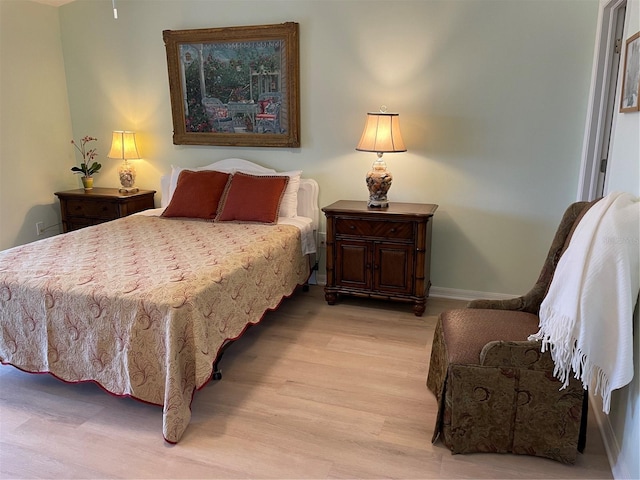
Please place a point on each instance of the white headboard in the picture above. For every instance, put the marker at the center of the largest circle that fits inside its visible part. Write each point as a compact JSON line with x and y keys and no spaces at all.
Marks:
{"x":308,"y":201}
{"x":307,"y":194}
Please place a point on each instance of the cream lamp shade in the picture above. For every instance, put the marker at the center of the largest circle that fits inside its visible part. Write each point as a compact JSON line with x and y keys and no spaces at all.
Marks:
{"x":381,"y":135}
{"x":123,"y":147}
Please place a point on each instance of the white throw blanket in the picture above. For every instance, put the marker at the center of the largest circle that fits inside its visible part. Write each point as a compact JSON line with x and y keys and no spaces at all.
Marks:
{"x":586,"y":317}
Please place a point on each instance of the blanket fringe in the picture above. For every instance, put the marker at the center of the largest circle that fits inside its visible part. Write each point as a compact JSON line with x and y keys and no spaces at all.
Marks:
{"x":574,"y":359}
{"x":552,"y":333}
{"x":587,"y":372}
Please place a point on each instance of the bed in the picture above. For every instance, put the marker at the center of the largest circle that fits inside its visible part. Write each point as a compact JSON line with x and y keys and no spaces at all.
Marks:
{"x":144,"y":305}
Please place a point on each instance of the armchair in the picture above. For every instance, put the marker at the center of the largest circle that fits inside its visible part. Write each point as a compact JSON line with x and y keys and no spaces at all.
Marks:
{"x":268,"y":120}
{"x":496,"y":390}
{"x":218,"y":114}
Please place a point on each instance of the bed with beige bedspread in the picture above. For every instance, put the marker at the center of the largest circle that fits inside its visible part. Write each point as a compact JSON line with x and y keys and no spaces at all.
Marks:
{"x":143,"y":305}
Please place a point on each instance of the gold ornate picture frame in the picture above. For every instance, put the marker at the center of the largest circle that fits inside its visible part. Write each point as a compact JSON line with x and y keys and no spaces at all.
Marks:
{"x":235,"y":86}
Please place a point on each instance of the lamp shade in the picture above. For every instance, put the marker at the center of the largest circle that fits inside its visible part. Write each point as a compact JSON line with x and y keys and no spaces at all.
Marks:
{"x":123,"y":145}
{"x":382,"y":134}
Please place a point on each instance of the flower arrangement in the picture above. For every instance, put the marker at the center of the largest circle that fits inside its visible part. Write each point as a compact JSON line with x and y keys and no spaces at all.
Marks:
{"x":85,"y":167}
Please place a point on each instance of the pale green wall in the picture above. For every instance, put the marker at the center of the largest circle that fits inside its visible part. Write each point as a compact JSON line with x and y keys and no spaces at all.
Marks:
{"x":492,"y":96}
{"x":35,"y":125}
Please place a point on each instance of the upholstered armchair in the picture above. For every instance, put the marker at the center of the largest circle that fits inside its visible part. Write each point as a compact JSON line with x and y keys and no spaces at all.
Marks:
{"x":496,"y":390}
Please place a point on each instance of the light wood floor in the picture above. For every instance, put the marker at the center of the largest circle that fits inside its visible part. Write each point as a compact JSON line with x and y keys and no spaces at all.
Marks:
{"x":314,"y":391}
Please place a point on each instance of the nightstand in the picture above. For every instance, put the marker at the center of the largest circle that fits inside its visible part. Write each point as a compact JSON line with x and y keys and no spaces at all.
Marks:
{"x":81,"y":208}
{"x":379,"y":253}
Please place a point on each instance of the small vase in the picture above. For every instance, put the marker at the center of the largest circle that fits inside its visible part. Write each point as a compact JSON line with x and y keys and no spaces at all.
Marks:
{"x":87,"y":183}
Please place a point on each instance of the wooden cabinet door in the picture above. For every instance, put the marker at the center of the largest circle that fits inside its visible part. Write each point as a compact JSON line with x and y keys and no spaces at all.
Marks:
{"x":393,"y":268}
{"x":353,"y":264}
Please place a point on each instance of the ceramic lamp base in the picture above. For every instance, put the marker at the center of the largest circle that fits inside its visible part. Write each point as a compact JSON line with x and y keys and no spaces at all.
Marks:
{"x":127,"y":174}
{"x":378,"y":181}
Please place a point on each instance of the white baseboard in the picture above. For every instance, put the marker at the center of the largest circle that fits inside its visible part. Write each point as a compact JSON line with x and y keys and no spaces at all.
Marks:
{"x":619,"y":468}
{"x":469,"y":295}
{"x":441,"y":292}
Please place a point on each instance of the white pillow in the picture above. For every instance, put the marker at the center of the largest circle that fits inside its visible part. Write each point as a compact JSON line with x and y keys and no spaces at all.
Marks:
{"x":289,"y":203}
{"x":230,"y":165}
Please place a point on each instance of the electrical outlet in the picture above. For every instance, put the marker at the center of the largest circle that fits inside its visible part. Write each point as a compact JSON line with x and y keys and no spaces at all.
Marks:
{"x":322,"y":239}
{"x":39,"y":228}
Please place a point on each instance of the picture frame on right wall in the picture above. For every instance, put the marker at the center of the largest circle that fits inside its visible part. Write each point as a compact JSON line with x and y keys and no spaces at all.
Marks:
{"x":631,"y":76}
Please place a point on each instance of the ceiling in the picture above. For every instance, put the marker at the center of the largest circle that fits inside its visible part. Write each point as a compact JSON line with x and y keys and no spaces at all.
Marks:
{"x":55,"y":3}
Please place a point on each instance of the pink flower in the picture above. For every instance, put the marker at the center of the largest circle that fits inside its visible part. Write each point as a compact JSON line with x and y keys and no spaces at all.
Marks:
{"x":86,"y":154}
{"x":85,"y":167}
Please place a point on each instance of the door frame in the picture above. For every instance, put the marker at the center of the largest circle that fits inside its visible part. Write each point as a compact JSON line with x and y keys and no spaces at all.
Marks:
{"x":600,"y":124}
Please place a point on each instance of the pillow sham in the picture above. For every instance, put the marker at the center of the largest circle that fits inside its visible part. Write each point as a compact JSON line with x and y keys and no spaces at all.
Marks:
{"x":252,"y":198}
{"x":289,"y":204}
{"x":197,"y":194}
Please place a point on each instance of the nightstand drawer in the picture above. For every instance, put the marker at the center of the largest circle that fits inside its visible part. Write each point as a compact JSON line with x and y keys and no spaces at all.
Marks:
{"x":371,"y":228}
{"x":100,"y":209}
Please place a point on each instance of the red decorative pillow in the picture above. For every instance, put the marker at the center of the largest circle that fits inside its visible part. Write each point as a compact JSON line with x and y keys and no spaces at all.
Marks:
{"x":251,"y":198}
{"x":197,"y":194}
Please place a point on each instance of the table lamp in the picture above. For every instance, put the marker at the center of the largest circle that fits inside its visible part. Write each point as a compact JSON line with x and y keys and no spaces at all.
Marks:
{"x":123,"y":146}
{"x":381,"y":135}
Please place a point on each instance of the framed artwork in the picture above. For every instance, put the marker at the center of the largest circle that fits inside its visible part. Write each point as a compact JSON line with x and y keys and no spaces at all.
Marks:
{"x":631,"y":75}
{"x":235,"y":86}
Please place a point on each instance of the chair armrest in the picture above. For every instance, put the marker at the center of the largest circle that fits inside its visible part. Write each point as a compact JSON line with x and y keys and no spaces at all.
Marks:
{"x":529,"y":302}
{"x":508,"y":304}
{"x":523,"y":354}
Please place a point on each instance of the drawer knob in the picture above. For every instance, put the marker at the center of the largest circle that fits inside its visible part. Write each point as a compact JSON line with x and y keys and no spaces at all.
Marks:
{"x":393,"y":230}
{"x":352,"y":227}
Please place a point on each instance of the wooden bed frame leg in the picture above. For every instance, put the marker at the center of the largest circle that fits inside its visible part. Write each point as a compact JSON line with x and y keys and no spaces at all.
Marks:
{"x":314,"y":268}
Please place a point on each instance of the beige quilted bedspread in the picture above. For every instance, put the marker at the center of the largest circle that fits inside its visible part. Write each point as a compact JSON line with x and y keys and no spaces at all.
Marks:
{"x":142,"y":305}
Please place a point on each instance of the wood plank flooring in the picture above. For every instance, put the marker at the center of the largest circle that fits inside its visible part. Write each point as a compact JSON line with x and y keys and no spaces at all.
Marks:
{"x":314,"y":391}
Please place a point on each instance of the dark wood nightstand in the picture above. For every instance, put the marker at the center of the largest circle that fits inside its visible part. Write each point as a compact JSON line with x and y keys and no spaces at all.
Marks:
{"x":379,"y":253}
{"x":81,"y":208}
